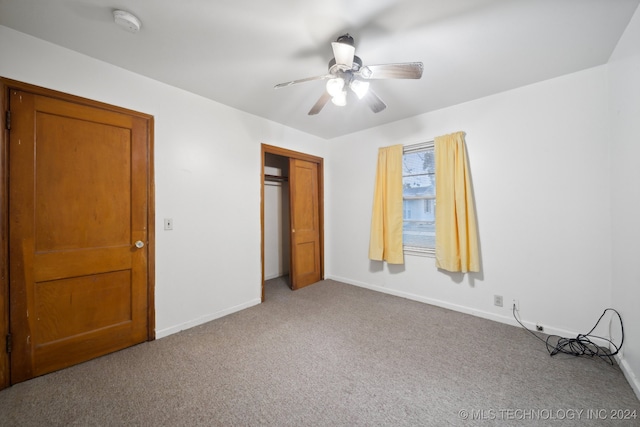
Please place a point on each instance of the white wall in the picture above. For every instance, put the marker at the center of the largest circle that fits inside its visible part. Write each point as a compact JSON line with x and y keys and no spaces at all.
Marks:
{"x":539,"y":158}
{"x":207,"y":176}
{"x":624,"y":86}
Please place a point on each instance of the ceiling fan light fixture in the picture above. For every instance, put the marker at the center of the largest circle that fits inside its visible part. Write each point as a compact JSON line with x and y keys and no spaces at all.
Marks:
{"x":360,"y":88}
{"x":335,"y":86}
{"x":340,"y":99}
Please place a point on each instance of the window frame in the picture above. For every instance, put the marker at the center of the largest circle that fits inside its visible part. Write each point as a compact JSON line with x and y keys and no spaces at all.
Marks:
{"x":416,"y":250}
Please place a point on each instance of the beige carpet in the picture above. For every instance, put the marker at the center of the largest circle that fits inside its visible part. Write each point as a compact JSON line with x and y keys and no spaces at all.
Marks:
{"x":330,"y":355}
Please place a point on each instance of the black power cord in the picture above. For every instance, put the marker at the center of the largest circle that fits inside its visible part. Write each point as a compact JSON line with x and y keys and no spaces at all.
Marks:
{"x":580,"y":345}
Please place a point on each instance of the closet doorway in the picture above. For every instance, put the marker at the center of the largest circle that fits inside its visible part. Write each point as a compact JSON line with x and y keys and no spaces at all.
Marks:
{"x":292,"y":220}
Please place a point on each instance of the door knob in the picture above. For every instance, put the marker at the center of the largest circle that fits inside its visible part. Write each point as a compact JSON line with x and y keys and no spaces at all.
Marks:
{"x":139,"y":244}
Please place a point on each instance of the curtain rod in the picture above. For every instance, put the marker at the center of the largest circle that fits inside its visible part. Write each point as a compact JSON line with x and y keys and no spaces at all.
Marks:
{"x":417,"y":147}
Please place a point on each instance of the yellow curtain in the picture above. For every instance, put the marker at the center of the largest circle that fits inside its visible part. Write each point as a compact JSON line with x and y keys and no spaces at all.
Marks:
{"x":386,"y":220}
{"x":456,"y":231}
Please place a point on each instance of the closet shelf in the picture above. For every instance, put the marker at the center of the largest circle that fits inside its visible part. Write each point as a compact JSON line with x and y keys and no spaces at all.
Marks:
{"x":276,"y":178}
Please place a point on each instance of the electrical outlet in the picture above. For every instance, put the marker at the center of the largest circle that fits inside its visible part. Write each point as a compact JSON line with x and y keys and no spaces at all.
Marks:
{"x":168,"y":224}
{"x":516,"y":304}
{"x":539,"y":328}
{"x":497,"y":300}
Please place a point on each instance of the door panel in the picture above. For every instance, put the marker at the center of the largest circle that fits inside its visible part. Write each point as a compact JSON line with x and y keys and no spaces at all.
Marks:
{"x":67,"y":149}
{"x":93,"y":298}
{"x":305,"y":229}
{"x":306,"y":258}
{"x":77,"y":204}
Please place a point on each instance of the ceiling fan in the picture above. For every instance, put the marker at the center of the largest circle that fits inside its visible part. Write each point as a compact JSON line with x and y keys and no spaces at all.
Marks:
{"x":347,"y":72}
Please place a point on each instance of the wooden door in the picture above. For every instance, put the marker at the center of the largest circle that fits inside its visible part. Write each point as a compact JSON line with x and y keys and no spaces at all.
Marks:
{"x":78,"y":201}
{"x":305,"y":229}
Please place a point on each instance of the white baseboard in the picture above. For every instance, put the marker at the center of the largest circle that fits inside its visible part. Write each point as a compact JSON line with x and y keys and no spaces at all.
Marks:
{"x":549,"y":330}
{"x":455,"y":307}
{"x":629,"y":375}
{"x":275,"y":275}
{"x":204,"y":319}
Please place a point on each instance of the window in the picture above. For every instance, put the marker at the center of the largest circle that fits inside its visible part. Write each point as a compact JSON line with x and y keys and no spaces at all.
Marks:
{"x":419,"y":198}
{"x":427,"y":205}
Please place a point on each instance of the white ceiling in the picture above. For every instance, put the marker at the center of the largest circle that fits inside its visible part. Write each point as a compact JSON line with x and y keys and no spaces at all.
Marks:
{"x":235,"y":51}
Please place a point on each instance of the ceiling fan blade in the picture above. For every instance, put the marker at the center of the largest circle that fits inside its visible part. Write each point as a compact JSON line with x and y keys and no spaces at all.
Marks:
{"x":308,"y":79}
{"x":374,"y":102}
{"x":320,"y":103}
{"x":343,"y":54}
{"x":407,"y":70}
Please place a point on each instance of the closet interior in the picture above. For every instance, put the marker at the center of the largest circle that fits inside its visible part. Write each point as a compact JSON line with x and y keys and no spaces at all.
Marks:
{"x":276,"y":217}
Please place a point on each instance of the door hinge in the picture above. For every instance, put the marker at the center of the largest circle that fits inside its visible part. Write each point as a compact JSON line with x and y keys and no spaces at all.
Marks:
{"x":8,"y":120}
{"x":9,"y":343}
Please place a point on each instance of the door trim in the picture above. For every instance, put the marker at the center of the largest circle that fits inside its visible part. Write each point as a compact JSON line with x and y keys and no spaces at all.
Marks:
{"x":264,"y":148}
{"x":5,"y":86}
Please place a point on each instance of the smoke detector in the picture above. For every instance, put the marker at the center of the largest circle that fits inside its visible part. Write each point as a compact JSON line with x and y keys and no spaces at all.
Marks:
{"x":127,"y":21}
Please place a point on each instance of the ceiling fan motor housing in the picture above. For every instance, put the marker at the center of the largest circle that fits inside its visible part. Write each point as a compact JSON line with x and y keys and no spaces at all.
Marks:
{"x":357,"y":63}
{"x":346,"y":39}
